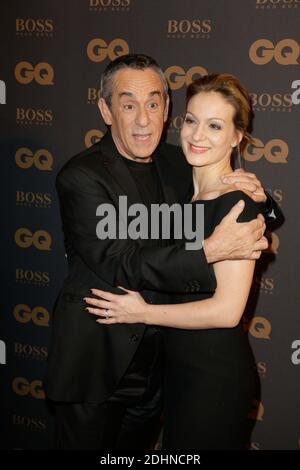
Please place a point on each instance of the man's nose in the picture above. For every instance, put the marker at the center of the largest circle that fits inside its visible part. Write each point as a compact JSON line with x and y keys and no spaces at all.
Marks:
{"x":142,"y":118}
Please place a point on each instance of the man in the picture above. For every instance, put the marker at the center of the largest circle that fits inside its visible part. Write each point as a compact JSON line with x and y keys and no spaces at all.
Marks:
{"x":105,"y":381}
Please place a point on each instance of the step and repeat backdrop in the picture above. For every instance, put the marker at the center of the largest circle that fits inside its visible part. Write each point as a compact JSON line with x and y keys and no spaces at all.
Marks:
{"x":52,"y":56}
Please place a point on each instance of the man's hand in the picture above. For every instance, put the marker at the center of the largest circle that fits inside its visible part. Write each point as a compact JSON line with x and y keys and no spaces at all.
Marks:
{"x":246,"y":182}
{"x":234,"y":240}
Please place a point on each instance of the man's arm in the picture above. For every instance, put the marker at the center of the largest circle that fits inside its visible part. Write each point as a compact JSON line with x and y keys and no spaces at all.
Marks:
{"x":251,"y":185}
{"x":127,"y":263}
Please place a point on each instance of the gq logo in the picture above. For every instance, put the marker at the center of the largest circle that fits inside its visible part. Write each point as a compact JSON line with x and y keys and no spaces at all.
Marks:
{"x":178,"y":77}
{"x":40,"y":239}
{"x":41,"y":159}
{"x":296,"y":354}
{"x":260,"y":328}
{"x":273,"y":243}
{"x":42,"y":73}
{"x":98,"y":50}
{"x":38,"y":315}
{"x":92,"y":137}
{"x":22,"y":387}
{"x":285,"y":52}
{"x":275,"y":151}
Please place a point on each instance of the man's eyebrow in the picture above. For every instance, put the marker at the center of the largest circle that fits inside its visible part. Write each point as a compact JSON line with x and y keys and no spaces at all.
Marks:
{"x":131,"y":95}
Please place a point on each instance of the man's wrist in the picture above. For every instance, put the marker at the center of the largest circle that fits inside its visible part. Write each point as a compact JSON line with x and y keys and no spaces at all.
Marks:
{"x":207,"y":245}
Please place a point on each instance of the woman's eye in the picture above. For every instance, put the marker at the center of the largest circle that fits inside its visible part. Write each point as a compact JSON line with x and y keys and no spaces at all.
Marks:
{"x":188,"y":120}
{"x":215,"y":126}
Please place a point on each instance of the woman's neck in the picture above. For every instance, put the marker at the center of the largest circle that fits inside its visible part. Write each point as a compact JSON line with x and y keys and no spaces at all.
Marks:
{"x":207,"y":181}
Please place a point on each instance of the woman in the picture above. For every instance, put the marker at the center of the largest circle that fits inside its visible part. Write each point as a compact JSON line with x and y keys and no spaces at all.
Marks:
{"x":210,"y":374}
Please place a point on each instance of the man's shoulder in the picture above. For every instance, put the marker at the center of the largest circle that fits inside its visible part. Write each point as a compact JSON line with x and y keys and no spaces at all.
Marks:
{"x":173,"y":157}
{"x":85,"y":163}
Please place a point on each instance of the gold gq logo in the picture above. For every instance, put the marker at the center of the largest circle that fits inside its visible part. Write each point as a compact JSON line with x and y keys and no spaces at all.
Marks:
{"x":41,"y":159}
{"x":273,"y":243}
{"x":260,"y":328}
{"x":40,"y":239}
{"x":38,"y":315}
{"x":98,"y":50}
{"x":42,"y":73}
{"x":92,"y":137}
{"x":178,"y":77}
{"x":275,"y":151}
{"x":285,"y":52}
{"x":22,"y":387}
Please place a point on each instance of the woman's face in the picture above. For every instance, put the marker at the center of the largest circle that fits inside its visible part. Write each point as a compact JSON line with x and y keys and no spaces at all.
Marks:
{"x":208,"y":133}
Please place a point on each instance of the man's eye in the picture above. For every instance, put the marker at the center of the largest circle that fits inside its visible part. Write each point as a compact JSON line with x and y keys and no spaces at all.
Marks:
{"x":128,"y":107}
{"x":153,"y":105}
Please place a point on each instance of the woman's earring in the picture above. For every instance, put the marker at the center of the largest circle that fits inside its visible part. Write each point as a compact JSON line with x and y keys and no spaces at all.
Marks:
{"x":239,"y":161}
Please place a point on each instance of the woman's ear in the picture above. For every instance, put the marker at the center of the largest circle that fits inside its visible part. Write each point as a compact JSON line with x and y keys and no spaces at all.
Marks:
{"x":105,"y":111}
{"x":238,"y":138}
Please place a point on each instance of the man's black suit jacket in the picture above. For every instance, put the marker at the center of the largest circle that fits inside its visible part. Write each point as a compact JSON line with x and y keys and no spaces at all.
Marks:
{"x":87,"y":360}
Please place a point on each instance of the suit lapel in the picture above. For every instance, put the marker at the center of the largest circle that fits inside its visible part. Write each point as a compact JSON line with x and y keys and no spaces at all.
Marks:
{"x":118,"y":170}
{"x":167,"y":184}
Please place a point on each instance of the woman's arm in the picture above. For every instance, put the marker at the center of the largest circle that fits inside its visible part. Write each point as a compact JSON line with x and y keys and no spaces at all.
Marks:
{"x":223,"y":310}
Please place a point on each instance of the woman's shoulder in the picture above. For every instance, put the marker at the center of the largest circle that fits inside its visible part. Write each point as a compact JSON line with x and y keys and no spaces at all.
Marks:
{"x":224,"y":202}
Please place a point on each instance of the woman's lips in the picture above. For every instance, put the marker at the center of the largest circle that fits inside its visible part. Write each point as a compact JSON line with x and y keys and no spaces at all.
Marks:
{"x":198,"y":149}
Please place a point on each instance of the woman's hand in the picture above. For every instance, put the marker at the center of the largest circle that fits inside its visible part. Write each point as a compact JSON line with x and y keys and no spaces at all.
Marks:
{"x":115,"y":308}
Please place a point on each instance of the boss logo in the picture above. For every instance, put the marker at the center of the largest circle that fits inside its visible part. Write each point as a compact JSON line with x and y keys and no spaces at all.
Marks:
{"x":29,"y":198}
{"x":41,"y":159}
{"x":98,"y":50}
{"x":93,"y":95}
{"x":285,"y":52}
{"x":275,"y":151}
{"x":189,"y":26}
{"x":276,"y":101}
{"x":92,"y":136}
{"x":21,"y":386}
{"x":29,"y":422}
{"x":110,"y":3}
{"x":38,"y":315}
{"x":178,"y":77}
{"x":30,"y":25}
{"x":27,"y":276}
{"x":42,"y":73}
{"x":34,"y":116}
{"x":40,"y":239}
{"x":31,"y":351}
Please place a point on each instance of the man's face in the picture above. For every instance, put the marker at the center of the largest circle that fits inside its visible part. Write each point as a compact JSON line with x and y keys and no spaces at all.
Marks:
{"x":138,"y":112}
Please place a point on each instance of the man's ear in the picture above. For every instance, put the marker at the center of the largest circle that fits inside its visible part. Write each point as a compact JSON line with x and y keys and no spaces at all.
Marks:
{"x":105,"y":111}
{"x":166,"y":110}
